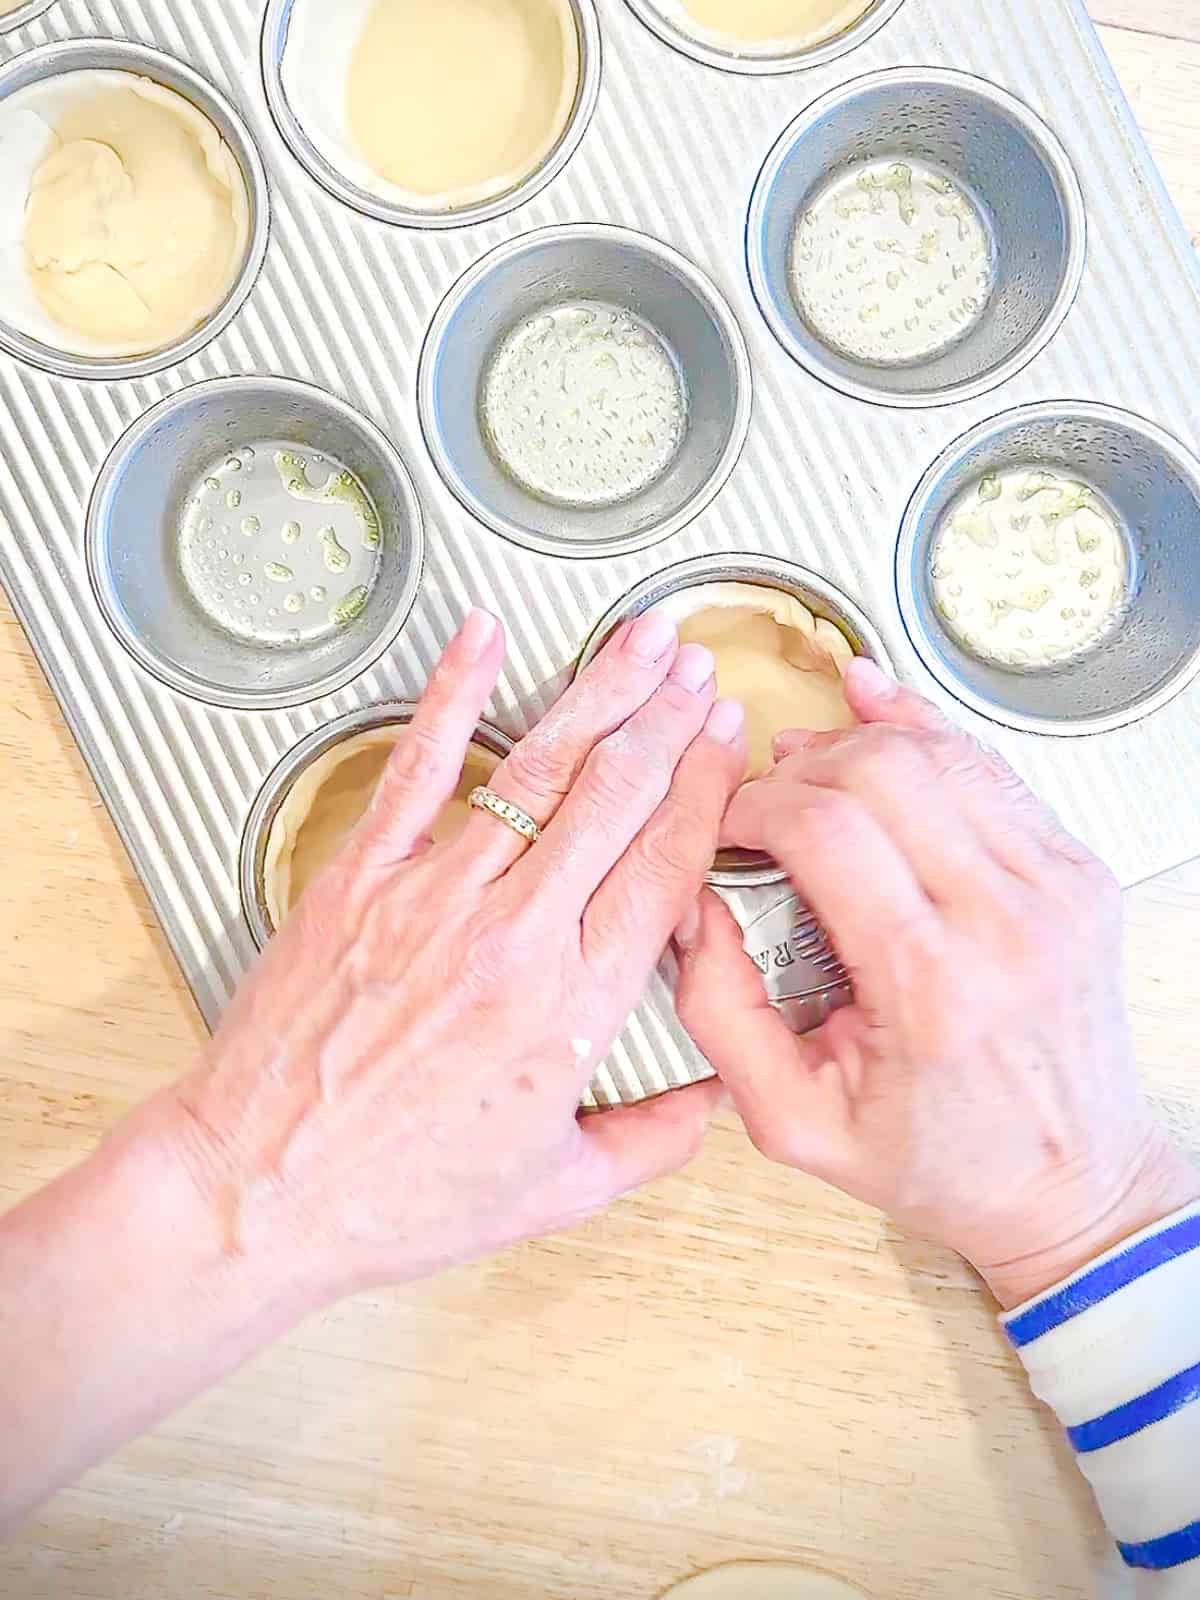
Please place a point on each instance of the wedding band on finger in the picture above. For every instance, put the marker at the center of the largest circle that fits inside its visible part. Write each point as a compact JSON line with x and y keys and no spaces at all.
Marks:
{"x":483,"y":799}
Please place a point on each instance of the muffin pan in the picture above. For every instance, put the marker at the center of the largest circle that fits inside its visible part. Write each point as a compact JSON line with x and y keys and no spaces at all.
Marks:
{"x":668,"y":196}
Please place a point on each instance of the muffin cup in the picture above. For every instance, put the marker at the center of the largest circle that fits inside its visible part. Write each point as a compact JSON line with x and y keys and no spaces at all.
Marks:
{"x":133,"y":530}
{"x":1000,"y":153}
{"x":744,"y":869}
{"x":1153,"y":484}
{"x":630,"y":272}
{"x":279,"y":783}
{"x":276,"y":22}
{"x":119,"y":55}
{"x":760,"y":60}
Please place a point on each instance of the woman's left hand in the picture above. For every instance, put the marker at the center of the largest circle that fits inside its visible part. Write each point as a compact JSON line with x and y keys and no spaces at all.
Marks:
{"x":395,"y":1087}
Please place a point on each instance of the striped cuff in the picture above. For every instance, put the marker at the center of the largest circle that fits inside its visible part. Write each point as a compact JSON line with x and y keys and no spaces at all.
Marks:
{"x":1115,"y":1351}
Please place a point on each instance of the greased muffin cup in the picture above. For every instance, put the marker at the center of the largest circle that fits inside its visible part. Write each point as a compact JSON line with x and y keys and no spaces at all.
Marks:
{"x":185,"y":626}
{"x":1152,"y":484}
{"x":1007,"y":165}
{"x":604,"y":267}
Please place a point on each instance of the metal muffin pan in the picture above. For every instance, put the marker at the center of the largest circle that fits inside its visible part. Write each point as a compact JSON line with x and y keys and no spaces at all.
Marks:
{"x":629,"y":272}
{"x":744,"y":869}
{"x":121,"y":55}
{"x":292,"y":767}
{"x":20,"y":15}
{"x":345,"y":303}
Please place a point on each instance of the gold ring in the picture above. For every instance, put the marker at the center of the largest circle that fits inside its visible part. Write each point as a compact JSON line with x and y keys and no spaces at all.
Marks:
{"x":513,"y":817}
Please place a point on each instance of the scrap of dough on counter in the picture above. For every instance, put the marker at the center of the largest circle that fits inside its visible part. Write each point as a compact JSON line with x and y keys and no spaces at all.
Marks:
{"x":763,"y":1580}
{"x":124,"y":219}
{"x":783,"y":663}
{"x":798,"y":24}
{"x":433,"y":104}
{"x":330,"y":798}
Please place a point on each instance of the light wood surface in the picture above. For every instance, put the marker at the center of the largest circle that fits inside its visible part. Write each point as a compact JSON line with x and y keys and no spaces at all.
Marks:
{"x":736,"y":1364}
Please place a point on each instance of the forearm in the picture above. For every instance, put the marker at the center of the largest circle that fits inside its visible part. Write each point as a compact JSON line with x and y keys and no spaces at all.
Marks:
{"x":1115,"y":1351}
{"x":122,"y":1299}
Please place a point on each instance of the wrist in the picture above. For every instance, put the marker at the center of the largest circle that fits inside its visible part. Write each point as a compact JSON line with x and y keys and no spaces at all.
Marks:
{"x":1092,"y":1220}
{"x":244,"y":1254}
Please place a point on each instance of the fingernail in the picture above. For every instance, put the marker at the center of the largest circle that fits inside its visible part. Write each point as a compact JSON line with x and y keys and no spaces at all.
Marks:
{"x":651,"y":636}
{"x":725,"y":721}
{"x":869,"y":678}
{"x":477,"y":633}
{"x":688,"y":929}
{"x":694,"y":666}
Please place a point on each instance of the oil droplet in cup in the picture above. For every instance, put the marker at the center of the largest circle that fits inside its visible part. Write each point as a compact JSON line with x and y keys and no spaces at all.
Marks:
{"x":250,"y":526}
{"x":337,"y":557}
{"x":234,"y":498}
{"x":290,"y":533}
{"x":278,"y":573}
{"x":294,"y":602}
{"x":351,"y":607}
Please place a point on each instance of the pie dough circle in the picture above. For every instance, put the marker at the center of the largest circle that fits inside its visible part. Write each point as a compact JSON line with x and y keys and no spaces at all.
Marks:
{"x":763,"y":1580}
{"x":124,"y":215}
{"x":328,"y":800}
{"x":767,"y":25}
{"x":433,"y":105}
{"x":773,"y":654}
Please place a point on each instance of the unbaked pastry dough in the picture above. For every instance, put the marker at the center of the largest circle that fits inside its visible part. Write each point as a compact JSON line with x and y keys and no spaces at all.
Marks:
{"x":458,"y":100}
{"x":763,"y":1580}
{"x":798,"y":23}
{"x":137,"y":222}
{"x":330,"y":798}
{"x":784,"y":664}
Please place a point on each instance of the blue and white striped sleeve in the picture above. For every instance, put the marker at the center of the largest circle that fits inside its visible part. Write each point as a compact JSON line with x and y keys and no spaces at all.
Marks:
{"x":1115,"y":1352}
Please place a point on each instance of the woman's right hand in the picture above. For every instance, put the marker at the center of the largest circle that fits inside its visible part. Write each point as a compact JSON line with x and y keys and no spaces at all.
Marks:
{"x":981,"y":1088}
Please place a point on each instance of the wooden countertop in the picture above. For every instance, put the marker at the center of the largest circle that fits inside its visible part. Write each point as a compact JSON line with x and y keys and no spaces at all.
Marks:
{"x":736,"y":1364}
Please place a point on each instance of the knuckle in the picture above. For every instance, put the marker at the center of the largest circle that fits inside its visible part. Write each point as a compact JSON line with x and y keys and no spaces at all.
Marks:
{"x":542,"y":766}
{"x":419,"y":753}
{"x":493,"y":950}
{"x":623,"y":767}
{"x":669,"y":849}
{"x":834,"y":818}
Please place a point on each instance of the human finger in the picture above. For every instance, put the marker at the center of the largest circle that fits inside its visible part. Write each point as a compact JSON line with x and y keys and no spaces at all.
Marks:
{"x":844,"y":865}
{"x":632,"y":914}
{"x":426,"y":765}
{"x":913,"y":787}
{"x":782,"y":1087}
{"x":1020,"y":829}
{"x":623,"y":782}
{"x":541,"y":770}
{"x":625,"y":1149}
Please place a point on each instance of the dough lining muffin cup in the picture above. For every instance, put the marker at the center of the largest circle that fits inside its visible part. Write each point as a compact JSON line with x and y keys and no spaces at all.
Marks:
{"x":51,"y":61}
